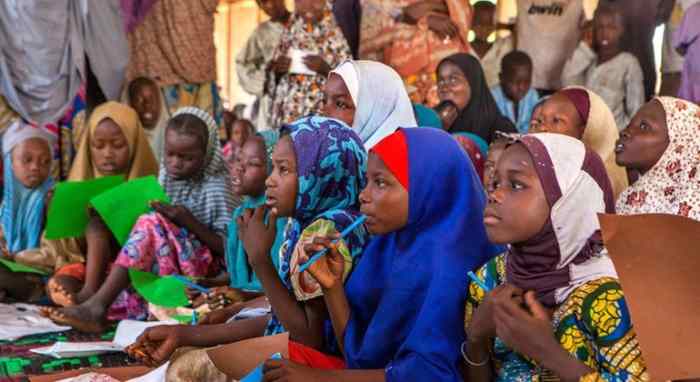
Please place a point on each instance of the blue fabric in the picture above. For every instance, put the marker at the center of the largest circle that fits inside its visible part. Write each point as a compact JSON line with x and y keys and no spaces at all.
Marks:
{"x":22,"y":212}
{"x":525,"y":107}
{"x":426,"y":116}
{"x":331,"y":166}
{"x":407,"y":293}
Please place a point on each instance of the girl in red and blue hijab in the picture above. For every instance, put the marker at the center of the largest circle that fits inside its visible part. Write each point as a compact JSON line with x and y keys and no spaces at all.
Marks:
{"x":400,"y":314}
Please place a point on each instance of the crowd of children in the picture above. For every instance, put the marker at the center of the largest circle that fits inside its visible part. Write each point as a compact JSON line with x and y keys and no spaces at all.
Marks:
{"x":461,"y":234}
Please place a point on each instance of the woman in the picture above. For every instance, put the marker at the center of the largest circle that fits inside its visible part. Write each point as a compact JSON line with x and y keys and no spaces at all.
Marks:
{"x":412,"y":37}
{"x":551,"y":307}
{"x":582,"y":114}
{"x":370,"y":97}
{"x":461,"y":80}
{"x":313,"y":31}
{"x":661,"y":146}
{"x":399,"y":315}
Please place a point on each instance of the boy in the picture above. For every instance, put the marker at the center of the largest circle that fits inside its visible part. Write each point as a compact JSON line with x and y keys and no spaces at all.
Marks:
{"x":605,"y":69}
{"x":515,"y":96}
{"x":253,"y":60}
{"x":490,"y":54}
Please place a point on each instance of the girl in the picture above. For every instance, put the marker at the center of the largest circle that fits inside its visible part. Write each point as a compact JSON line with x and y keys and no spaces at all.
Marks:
{"x":660,"y":149}
{"x":313,"y":31}
{"x":461,"y":80}
{"x":397,"y":316}
{"x":318,"y":172}
{"x":181,"y":238}
{"x":144,"y":95}
{"x":582,"y":114}
{"x":370,"y":97}
{"x":114,"y":144}
{"x":555,"y":309}
{"x":27,"y":157}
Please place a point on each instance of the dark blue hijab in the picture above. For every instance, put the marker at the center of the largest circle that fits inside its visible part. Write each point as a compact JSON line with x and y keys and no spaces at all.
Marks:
{"x":407,"y":293}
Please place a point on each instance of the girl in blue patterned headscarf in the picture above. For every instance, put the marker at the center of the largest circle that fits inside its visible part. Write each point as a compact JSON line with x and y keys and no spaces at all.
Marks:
{"x":331,"y":165}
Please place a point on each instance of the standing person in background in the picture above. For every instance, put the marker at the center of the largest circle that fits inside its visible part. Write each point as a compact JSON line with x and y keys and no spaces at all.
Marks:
{"x":313,"y":32}
{"x":671,"y":61}
{"x":687,"y":42}
{"x":348,"y":14}
{"x":255,"y":57}
{"x":550,"y":30}
{"x":413,"y":37}
{"x":490,"y":54}
{"x":604,"y":68}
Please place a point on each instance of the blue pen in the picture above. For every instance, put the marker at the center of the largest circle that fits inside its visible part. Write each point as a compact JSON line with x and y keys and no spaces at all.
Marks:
{"x":191,"y":284}
{"x":345,"y":232}
{"x":478,"y":282}
{"x":194,"y":318}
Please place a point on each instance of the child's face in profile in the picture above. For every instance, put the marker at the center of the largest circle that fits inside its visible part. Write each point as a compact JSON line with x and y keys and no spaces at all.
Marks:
{"x":31,"y":162}
{"x":644,"y":140}
{"x":494,"y":154}
{"x":282,"y":185}
{"x":516,"y":82}
{"x":109,"y":149}
{"x":184,"y":154}
{"x":240,"y":132}
{"x":517,"y":208}
{"x":607,"y":30}
{"x":384,"y":200}
{"x":146,"y":102}
{"x":250,"y":169}
{"x":484,"y":24}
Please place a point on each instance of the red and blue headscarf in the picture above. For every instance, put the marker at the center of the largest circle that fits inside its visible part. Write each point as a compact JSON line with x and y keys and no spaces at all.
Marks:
{"x":407,"y":292}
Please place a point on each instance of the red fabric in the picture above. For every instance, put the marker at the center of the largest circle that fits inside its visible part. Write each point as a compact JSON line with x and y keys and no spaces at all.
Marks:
{"x":582,"y":103}
{"x":393,"y":151}
{"x":307,"y":356}
{"x":76,"y":271}
{"x":477,"y":158}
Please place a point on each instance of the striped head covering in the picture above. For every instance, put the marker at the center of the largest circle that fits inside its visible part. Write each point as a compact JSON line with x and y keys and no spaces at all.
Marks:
{"x":672,"y":186}
{"x":568,"y":251}
{"x":208,"y":194}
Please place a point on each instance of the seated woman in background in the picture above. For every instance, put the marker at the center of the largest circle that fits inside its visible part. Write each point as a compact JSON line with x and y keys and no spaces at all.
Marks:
{"x":554,"y":308}
{"x":582,"y":114}
{"x":27,"y":158}
{"x":660,"y":150}
{"x":461,"y":80}
{"x":370,"y":97}
{"x":184,"y":237}
{"x":114,"y":144}
{"x":398,"y":316}
{"x":313,"y":31}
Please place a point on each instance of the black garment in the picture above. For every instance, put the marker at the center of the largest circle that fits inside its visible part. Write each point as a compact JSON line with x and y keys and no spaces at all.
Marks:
{"x":481,"y":116}
{"x":347,"y":15}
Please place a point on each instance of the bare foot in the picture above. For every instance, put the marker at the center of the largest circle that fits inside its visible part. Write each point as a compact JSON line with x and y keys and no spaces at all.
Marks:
{"x":63,"y":290}
{"x":84,"y":317}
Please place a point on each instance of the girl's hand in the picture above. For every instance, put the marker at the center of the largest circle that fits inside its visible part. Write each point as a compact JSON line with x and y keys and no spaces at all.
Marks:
{"x":483,"y":325}
{"x":276,"y":370}
{"x":157,"y":344}
{"x":328,"y":269}
{"x":221,"y":297}
{"x":317,"y":64}
{"x":179,"y":215}
{"x":257,"y":237}
{"x":526,"y":329}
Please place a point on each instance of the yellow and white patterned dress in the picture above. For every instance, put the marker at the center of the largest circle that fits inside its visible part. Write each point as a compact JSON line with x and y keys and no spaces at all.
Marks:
{"x":593,"y":324}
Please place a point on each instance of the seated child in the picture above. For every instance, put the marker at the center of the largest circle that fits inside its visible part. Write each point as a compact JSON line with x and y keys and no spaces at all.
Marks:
{"x":660,"y":150}
{"x":241,"y":129}
{"x":184,"y":237}
{"x":399,"y":316}
{"x":114,"y":144}
{"x":144,"y":95}
{"x":582,"y":114}
{"x":515,"y":97}
{"x":318,"y":173}
{"x":27,"y":158}
{"x":554,"y":308}
{"x":494,"y":154}
{"x":606,"y":69}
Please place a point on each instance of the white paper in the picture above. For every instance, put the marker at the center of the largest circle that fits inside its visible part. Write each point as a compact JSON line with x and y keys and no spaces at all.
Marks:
{"x":78,"y":349}
{"x":250,"y":313}
{"x":129,"y":330}
{"x":297,"y":66}
{"x":19,"y":320}
{"x":157,"y":375}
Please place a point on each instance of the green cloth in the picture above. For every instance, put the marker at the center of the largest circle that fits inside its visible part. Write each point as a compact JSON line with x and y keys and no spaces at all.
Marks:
{"x":240,"y":272}
{"x":121,"y":206}
{"x":21,"y":268}
{"x":68,"y":212}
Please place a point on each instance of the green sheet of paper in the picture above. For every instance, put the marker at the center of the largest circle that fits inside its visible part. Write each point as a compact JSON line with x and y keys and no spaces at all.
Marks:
{"x":21,"y":268}
{"x":68,"y":215}
{"x":121,"y":206}
{"x":162,"y":291}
